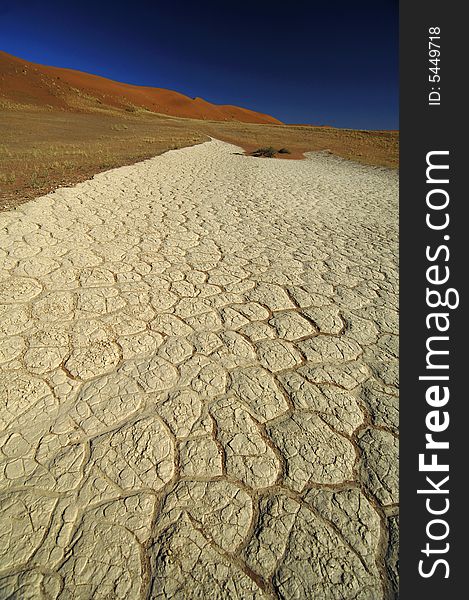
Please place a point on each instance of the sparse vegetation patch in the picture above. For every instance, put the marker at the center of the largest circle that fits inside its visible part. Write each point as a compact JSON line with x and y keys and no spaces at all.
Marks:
{"x":267,"y":152}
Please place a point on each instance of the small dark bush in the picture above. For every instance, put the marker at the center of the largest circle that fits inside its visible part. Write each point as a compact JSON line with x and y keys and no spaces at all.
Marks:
{"x":265,"y":152}
{"x":284,"y":151}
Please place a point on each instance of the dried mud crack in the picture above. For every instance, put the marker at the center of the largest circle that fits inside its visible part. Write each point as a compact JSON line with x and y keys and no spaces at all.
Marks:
{"x":198,"y":382}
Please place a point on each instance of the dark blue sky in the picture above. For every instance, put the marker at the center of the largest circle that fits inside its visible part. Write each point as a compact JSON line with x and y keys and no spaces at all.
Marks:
{"x":329,"y":62}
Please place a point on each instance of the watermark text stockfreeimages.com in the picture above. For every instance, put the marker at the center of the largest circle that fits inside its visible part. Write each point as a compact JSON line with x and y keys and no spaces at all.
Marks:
{"x":440,"y":300}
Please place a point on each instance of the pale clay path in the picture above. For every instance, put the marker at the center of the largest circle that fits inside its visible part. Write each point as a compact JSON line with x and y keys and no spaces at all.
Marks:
{"x":198,"y":383}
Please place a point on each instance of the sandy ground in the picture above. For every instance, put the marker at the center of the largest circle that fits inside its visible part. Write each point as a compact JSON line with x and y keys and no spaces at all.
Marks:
{"x":42,"y":150}
{"x":198,"y":383}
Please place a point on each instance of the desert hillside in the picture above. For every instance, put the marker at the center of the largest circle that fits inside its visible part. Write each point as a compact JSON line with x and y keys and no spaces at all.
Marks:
{"x":30,"y":84}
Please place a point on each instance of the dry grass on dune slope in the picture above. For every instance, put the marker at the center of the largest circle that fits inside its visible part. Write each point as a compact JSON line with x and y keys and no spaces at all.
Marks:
{"x":41,"y":150}
{"x":29,"y":84}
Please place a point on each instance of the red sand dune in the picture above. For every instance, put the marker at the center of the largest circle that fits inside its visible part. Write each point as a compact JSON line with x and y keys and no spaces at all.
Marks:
{"x":26,"y":83}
